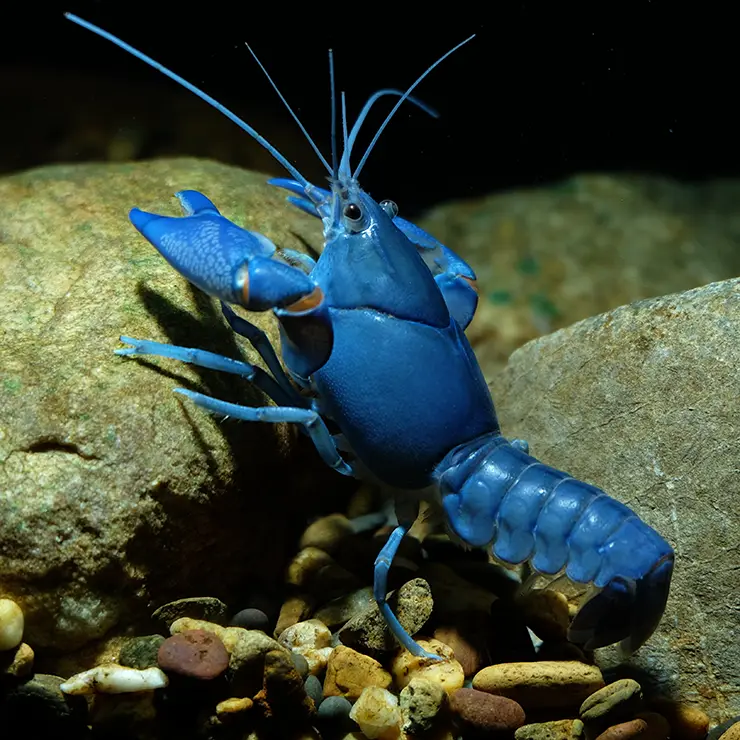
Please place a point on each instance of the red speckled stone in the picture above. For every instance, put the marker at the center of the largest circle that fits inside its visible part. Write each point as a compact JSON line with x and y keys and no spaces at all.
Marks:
{"x":195,"y":653}
{"x":482,"y":712}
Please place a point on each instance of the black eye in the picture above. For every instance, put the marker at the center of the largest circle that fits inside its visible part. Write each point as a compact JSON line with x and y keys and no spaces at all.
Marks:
{"x":353,"y":212}
{"x":390,"y":208}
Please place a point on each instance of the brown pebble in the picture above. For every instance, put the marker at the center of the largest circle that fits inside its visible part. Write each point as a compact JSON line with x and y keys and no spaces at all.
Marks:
{"x":349,"y":672}
{"x":448,"y":673}
{"x":546,"y":613}
{"x":283,"y":698}
{"x":295,"y":609}
{"x":541,"y":684}
{"x":17,"y":663}
{"x":614,"y":703}
{"x":732,"y":734}
{"x":625,"y":730}
{"x":561,"y":729}
{"x":483,"y":712}
{"x":195,"y":653}
{"x":229,"y":709}
{"x":466,"y":641}
{"x":687,"y":722}
{"x":327,"y":533}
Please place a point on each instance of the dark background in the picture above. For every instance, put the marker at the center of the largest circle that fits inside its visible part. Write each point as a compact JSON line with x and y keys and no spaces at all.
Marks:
{"x":545,"y":90}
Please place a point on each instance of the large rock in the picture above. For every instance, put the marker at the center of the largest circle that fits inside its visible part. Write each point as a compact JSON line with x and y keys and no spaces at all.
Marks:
{"x":548,"y":257}
{"x":116,"y":494}
{"x":644,"y":401}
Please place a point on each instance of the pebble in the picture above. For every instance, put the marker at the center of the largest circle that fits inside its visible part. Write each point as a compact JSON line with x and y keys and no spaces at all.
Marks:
{"x":195,"y":653}
{"x":310,"y":633}
{"x":308,"y":638}
{"x":717,"y":732}
{"x":349,"y":672}
{"x":479,"y":712}
{"x":317,"y":572}
{"x":314,"y":689}
{"x":420,"y":702}
{"x":339,"y":611}
{"x":251,"y":619}
{"x":229,"y":709}
{"x":376,"y":712}
{"x":612,"y":704}
{"x":111,"y":678}
{"x":687,"y":722}
{"x":732,"y":732}
{"x":448,"y":673}
{"x":11,"y":625}
{"x":333,"y":716}
{"x":625,"y":730}
{"x":294,"y":609}
{"x":327,"y":533}
{"x":545,"y":612}
{"x":300,"y":664}
{"x":140,"y":652}
{"x":368,"y":632}
{"x":466,"y":642}
{"x":246,"y":648}
{"x":17,"y":663}
{"x":562,"y":729}
{"x":207,"y":608}
{"x":541,"y":684}
{"x":283,"y":698}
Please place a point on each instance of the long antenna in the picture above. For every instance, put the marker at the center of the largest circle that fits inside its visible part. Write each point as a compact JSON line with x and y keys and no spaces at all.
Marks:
{"x":398,"y":104}
{"x":290,"y":110}
{"x":334,"y":158}
{"x":193,"y":89}
{"x":347,"y":153}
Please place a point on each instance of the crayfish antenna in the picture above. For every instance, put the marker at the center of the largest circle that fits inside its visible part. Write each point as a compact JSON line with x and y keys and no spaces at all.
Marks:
{"x":401,"y":100}
{"x":293,"y":114}
{"x":334,"y":157}
{"x":201,"y":94}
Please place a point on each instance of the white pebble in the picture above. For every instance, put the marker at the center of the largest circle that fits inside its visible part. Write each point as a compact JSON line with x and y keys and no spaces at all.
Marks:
{"x":376,"y":712}
{"x":312,"y":639}
{"x":11,"y":624}
{"x":112,"y":678}
{"x":303,"y":635}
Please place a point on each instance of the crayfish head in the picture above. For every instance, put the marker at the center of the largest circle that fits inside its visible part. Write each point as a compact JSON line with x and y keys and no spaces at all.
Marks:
{"x":626,"y":611}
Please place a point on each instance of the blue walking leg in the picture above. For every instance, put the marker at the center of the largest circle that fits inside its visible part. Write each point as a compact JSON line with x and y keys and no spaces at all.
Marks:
{"x":380,"y":587}
{"x":259,"y":340}
{"x":310,"y":420}
{"x":202,"y":358}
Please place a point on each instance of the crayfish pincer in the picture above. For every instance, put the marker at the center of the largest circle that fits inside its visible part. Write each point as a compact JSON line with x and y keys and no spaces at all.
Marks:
{"x":372,"y":339}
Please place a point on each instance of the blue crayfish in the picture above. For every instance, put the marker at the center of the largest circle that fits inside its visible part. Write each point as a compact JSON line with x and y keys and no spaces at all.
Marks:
{"x":372,"y":336}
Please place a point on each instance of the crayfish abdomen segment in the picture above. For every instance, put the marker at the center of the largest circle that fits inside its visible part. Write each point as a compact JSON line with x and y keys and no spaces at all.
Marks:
{"x":525,"y":510}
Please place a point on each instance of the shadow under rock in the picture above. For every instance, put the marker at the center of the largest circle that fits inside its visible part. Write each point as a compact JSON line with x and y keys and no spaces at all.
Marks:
{"x":275,"y":489}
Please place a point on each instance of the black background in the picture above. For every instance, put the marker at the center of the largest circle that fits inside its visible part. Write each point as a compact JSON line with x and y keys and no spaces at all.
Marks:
{"x":544,"y":91}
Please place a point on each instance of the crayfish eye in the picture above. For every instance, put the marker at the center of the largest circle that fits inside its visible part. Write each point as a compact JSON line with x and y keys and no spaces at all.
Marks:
{"x":390,"y":208}
{"x":353,"y":212}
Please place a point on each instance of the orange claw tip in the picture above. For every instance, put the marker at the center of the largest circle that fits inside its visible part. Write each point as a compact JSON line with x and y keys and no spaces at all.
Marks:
{"x":308,"y":302}
{"x":473,"y":283}
{"x":244,"y":280}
